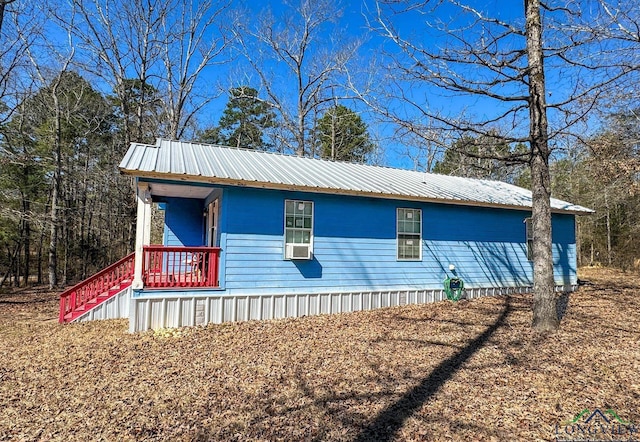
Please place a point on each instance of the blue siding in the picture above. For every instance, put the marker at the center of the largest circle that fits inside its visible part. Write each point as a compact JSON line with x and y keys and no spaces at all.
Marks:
{"x":183,"y":222}
{"x":564,"y":249}
{"x":355,"y":245}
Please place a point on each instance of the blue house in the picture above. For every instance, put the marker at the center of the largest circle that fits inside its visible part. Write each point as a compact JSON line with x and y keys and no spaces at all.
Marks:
{"x":258,"y":235}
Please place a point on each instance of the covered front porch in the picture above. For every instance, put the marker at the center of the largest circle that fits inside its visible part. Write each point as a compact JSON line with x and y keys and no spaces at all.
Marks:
{"x":185,"y":254}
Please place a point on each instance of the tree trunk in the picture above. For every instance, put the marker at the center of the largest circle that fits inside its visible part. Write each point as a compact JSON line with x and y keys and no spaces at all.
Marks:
{"x":40,"y":260}
{"x":16,"y":273}
{"x":26,"y":231}
{"x":12,"y":258}
{"x":64,"y":231}
{"x":333,"y":133}
{"x":608,"y":225}
{"x":300,"y":150}
{"x":545,"y":317}
{"x":53,"y":240}
{"x":55,"y":193}
{"x":3,"y":5}
{"x":85,"y":229}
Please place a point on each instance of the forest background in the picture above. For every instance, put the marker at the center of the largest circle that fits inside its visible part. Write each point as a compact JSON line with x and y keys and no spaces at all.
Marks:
{"x":431,"y":86}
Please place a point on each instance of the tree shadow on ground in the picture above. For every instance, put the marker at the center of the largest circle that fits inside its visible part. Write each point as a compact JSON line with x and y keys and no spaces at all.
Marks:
{"x":389,"y":421}
{"x":25,"y":301}
{"x":562,"y":305}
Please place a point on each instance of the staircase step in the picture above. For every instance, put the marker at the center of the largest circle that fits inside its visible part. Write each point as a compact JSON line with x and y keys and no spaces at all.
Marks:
{"x":74,"y":315}
{"x":70,"y":317}
{"x":121,"y":269}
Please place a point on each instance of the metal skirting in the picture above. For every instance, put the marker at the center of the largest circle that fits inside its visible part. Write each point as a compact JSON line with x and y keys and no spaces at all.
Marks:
{"x":115,"y":307}
{"x":175,"y":311}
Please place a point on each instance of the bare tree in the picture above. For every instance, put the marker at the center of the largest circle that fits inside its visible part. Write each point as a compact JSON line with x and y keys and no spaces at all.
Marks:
{"x":20,"y":31}
{"x":48,"y":73}
{"x":120,"y":43}
{"x":196,"y":40}
{"x":610,"y":184}
{"x":545,"y":317}
{"x":294,"y":51}
{"x":152,"y":55}
{"x":500,"y":60}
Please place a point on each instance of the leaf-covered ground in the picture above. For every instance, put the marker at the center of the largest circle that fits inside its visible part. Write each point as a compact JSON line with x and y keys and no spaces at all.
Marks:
{"x":466,"y":371}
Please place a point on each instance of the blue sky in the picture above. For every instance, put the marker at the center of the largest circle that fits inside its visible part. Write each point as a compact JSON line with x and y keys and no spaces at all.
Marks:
{"x":412,"y":25}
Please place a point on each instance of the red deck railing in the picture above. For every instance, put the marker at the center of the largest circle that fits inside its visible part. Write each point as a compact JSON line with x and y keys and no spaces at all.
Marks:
{"x":162,"y":267}
{"x":167,"y":267}
{"x":77,"y":297}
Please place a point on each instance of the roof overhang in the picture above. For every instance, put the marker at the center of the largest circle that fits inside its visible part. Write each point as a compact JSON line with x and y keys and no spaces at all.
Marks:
{"x":167,"y":185}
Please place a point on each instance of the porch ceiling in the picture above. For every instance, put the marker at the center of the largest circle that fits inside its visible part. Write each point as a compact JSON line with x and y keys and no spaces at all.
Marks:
{"x":177,"y":190}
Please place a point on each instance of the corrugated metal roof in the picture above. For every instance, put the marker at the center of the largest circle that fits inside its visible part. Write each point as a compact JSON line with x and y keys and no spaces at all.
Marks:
{"x":224,"y":165}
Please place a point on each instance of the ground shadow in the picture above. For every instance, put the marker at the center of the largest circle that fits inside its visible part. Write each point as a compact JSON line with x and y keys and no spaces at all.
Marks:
{"x":385,"y":426}
{"x":25,"y":301}
{"x":562,"y":305}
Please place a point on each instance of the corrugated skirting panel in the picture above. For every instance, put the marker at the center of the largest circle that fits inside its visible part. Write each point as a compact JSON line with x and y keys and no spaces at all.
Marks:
{"x":115,"y":307}
{"x":169,"y":312}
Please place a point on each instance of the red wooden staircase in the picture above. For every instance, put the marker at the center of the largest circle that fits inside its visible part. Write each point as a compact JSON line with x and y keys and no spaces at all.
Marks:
{"x":95,"y":290}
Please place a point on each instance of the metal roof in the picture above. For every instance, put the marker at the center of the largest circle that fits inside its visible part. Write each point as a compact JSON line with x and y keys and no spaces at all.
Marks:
{"x":187,"y":161}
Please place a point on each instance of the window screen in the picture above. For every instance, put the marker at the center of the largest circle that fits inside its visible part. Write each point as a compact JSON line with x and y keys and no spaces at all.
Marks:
{"x":409,"y":234}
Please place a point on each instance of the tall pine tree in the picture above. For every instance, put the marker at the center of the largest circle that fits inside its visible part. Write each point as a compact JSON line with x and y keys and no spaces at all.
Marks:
{"x":243,"y":121}
{"x":343,"y":136}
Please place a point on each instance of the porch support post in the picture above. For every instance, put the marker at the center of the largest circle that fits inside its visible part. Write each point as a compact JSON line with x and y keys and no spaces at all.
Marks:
{"x":143,"y":231}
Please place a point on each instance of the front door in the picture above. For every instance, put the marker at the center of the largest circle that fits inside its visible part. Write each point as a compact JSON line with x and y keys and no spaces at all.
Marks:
{"x":212,"y":224}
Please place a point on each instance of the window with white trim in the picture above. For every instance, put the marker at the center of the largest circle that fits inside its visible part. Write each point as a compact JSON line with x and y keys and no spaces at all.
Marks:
{"x":409,"y":234}
{"x":298,"y":229}
{"x":528,"y":228}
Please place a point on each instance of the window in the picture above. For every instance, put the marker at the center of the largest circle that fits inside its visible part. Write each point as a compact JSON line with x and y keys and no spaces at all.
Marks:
{"x":409,"y":233}
{"x":528,"y":227}
{"x":298,"y":229}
